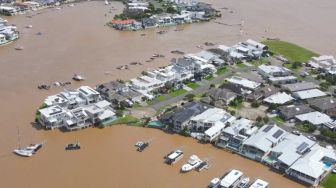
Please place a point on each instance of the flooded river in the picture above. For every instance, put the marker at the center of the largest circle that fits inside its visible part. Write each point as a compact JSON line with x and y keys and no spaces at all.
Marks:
{"x":76,"y":40}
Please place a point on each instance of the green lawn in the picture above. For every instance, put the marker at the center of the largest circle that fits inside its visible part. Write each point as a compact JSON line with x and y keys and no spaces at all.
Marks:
{"x":210,"y":77}
{"x":125,"y":120}
{"x":241,"y":65}
{"x":193,"y":85}
{"x":177,"y":92}
{"x":221,"y":71}
{"x":330,"y":181}
{"x":278,"y":120}
{"x":290,"y":51}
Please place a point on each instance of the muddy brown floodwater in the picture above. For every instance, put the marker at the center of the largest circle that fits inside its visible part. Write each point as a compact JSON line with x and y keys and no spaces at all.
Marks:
{"x":75,"y":40}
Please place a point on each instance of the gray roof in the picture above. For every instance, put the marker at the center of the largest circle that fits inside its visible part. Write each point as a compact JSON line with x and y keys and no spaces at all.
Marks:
{"x":300,"y":86}
{"x":188,"y":110}
{"x":253,"y":77}
{"x":220,"y":94}
{"x":112,"y":86}
{"x":290,"y":111}
{"x":323,"y":104}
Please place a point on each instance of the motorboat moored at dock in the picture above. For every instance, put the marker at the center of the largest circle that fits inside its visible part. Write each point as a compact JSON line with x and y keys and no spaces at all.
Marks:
{"x":173,"y":156}
{"x":192,"y":163}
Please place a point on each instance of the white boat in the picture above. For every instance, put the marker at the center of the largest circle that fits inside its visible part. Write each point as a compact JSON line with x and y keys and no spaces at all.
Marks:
{"x":27,"y":151}
{"x":71,"y":5}
{"x":174,"y":156}
{"x":244,"y":183}
{"x":192,"y":163}
{"x":106,"y":2}
{"x":214,"y":183}
{"x":78,"y":77}
{"x":231,"y":179}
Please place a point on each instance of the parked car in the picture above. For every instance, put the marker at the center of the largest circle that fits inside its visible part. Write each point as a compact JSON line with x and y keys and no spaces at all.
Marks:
{"x":312,"y":137}
{"x":296,"y":132}
{"x":334,"y":170}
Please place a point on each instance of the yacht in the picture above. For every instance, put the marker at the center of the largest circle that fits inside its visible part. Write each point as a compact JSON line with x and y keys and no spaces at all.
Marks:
{"x":174,"y":156}
{"x":28,"y":151}
{"x":244,"y":183}
{"x":231,"y":179}
{"x":192,"y":163}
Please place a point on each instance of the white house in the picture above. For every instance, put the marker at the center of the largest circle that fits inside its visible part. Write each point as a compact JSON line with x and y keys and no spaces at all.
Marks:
{"x":260,"y":144}
{"x":232,"y":137}
{"x":315,"y":118}
{"x":314,"y":166}
{"x":277,"y":75}
{"x":309,"y":94}
{"x":243,"y":82}
{"x":279,"y":98}
{"x":52,"y":117}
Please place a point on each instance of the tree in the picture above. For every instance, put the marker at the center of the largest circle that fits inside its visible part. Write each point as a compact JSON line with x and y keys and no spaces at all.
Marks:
{"x":296,"y":65}
{"x":212,"y":86}
{"x":232,"y":112}
{"x":119,"y":113}
{"x":265,"y":119}
{"x":259,"y":119}
{"x":190,"y":96}
{"x":171,"y":10}
{"x":255,"y":104}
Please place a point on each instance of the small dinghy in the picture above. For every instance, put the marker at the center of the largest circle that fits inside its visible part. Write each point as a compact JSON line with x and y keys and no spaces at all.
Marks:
{"x":77,"y":77}
{"x":75,"y":146}
{"x":19,"y":48}
{"x":141,"y":146}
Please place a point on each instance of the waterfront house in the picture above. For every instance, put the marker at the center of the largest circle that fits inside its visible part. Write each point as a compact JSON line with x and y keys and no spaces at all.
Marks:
{"x":207,"y":57}
{"x":287,"y":152}
{"x":146,"y":84}
{"x":178,"y":120}
{"x":279,"y":98}
{"x":232,"y":137}
{"x":52,"y":117}
{"x":277,"y":75}
{"x":219,"y":97}
{"x":324,"y":63}
{"x":129,"y":24}
{"x":77,"y":118}
{"x":290,"y":111}
{"x":314,"y":166}
{"x":323,"y":104}
{"x":315,"y":118}
{"x":89,"y":94}
{"x":66,"y":99}
{"x":118,"y":93}
{"x":211,"y":122}
{"x":149,"y":23}
{"x":259,"y":145}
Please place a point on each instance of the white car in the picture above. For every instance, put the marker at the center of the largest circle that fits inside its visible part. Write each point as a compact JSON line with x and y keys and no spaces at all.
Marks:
{"x":312,"y":138}
{"x":334,"y":170}
{"x":296,"y":132}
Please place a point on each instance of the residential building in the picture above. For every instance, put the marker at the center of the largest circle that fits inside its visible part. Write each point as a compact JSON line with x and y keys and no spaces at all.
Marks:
{"x":323,"y":104}
{"x":234,"y":136}
{"x":262,"y":93}
{"x":314,"y":166}
{"x":244,"y":83}
{"x":277,"y":75}
{"x":219,"y":97}
{"x":287,"y":152}
{"x":279,"y":98}
{"x":315,"y":118}
{"x":52,"y":117}
{"x":237,"y":89}
{"x":211,"y":122}
{"x":89,"y":95}
{"x":309,"y":94}
{"x":179,"y":120}
{"x":260,"y":144}
{"x":300,"y":86}
{"x":290,"y":111}
{"x":324,"y":62}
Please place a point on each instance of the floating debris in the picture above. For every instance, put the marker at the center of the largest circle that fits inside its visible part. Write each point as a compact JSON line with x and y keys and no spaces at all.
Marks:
{"x":199,"y":46}
{"x":38,"y":33}
{"x":178,"y":29}
{"x":177,"y":52}
{"x":143,"y":34}
{"x":29,"y":26}
{"x":19,"y":48}
{"x":161,"y":32}
{"x":209,"y":44}
{"x":43,"y":86}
